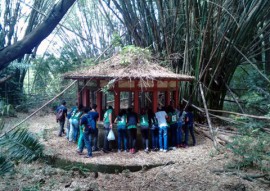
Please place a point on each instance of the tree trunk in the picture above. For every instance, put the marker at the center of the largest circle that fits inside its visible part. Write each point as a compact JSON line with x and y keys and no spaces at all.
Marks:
{"x":25,"y":46}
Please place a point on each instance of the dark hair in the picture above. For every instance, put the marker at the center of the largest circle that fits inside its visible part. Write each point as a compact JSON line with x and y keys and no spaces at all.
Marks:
{"x":129,"y":109}
{"x":80,"y":107}
{"x":86,"y":109}
{"x":110,"y":107}
{"x":64,"y":102}
{"x":122,"y":112}
{"x":94,"y":106}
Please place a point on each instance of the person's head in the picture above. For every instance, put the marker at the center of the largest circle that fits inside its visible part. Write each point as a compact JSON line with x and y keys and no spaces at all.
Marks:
{"x":122,"y":112}
{"x":129,"y":110}
{"x":170,"y":108}
{"x":143,"y":111}
{"x":86,"y":109}
{"x":94,"y":106}
{"x":189,"y":108}
{"x":110,"y":107}
{"x":63,"y":102}
{"x":80,"y":107}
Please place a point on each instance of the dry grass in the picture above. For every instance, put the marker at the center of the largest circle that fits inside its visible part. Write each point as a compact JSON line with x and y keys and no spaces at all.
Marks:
{"x":192,"y":168}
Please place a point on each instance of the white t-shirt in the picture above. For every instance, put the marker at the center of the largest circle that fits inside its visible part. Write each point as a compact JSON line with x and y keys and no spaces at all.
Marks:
{"x":161,"y":117}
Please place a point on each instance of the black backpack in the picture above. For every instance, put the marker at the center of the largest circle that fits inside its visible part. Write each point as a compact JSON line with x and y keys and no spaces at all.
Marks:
{"x":60,"y":115}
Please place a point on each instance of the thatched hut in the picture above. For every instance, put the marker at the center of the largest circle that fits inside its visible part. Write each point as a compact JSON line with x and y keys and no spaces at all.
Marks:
{"x":137,"y":74}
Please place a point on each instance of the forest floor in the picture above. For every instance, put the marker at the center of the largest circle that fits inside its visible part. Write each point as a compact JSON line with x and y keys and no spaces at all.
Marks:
{"x":193,"y":168}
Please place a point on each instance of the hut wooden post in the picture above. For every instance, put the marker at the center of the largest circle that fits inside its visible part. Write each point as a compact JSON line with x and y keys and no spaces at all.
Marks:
{"x":79,"y":94}
{"x":99,"y":102}
{"x":116,"y":99}
{"x":176,"y":95}
{"x":155,"y":97}
{"x":136,"y":98}
{"x":167,"y":97}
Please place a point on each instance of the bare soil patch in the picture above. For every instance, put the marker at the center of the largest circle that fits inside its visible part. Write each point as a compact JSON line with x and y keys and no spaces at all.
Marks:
{"x":183,"y":169}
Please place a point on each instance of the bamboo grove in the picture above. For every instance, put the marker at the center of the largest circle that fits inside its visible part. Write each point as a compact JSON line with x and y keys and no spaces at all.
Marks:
{"x":208,"y":39}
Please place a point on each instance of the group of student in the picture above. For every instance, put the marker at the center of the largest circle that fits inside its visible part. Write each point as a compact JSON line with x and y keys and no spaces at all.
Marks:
{"x":169,"y":128}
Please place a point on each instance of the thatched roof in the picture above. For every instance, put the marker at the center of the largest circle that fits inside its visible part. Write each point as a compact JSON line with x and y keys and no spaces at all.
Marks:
{"x":128,"y":66}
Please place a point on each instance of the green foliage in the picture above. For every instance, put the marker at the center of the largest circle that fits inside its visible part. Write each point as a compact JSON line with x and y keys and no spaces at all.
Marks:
{"x":21,"y":145}
{"x":252,"y":147}
{"x":5,"y":165}
{"x":116,"y":40}
{"x":133,"y":54}
{"x":16,"y":146}
{"x":6,"y":109}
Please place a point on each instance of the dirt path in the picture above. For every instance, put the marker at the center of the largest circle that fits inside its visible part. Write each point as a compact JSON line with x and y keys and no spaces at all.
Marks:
{"x":183,"y":169}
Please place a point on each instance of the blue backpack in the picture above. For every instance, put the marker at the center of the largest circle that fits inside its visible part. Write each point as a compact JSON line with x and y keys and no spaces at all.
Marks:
{"x":91,"y":124}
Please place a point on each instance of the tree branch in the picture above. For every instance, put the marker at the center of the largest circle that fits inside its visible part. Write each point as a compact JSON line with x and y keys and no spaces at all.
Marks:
{"x":33,"y":39}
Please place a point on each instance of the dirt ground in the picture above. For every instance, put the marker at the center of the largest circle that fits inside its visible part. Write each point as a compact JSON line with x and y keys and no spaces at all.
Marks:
{"x":193,"y":168}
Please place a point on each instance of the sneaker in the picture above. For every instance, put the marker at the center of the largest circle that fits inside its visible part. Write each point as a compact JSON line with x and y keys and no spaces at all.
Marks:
{"x":105,"y":151}
{"x":87,"y":156}
{"x":119,"y":151}
{"x":125,"y":151}
{"x":79,"y":152}
{"x":165,"y":151}
{"x":146,"y":150}
{"x":174,"y":148}
{"x":95,"y":149}
{"x":161,"y":150}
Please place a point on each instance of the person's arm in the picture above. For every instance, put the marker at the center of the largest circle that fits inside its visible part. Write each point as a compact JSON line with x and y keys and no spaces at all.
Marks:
{"x":110,"y":118}
{"x":115,"y":121}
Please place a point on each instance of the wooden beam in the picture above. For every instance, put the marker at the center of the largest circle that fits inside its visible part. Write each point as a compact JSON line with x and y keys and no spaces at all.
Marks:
{"x":116,"y":99}
{"x":136,"y":97}
{"x":155,"y":97}
{"x":99,"y":104}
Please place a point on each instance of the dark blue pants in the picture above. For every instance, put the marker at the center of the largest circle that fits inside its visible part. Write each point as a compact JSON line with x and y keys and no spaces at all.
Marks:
{"x":132,"y":136}
{"x":106,"y":142}
{"x":189,"y":128}
{"x":61,"y":130}
{"x":87,"y":142}
{"x":155,"y":138}
{"x":122,"y":138}
{"x":145,"y":138}
{"x":179,"y":133}
{"x":95,"y":139}
{"x":173,"y":132}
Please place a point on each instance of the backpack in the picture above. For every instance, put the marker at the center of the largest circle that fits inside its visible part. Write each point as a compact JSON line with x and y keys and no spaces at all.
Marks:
{"x":91,"y":125}
{"x":60,"y":115}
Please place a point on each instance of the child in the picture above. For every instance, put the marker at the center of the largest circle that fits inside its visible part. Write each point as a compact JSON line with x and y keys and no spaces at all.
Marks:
{"x":162,"y":116}
{"x":189,"y":126}
{"x":121,"y":121}
{"x":144,"y":123}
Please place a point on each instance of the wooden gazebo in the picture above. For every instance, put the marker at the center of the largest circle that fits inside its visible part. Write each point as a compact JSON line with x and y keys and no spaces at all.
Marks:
{"x":131,"y":73}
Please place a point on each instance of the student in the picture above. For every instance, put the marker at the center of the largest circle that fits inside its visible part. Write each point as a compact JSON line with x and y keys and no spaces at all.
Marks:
{"x":144,"y":124}
{"x":162,"y":116}
{"x":172,"y":116}
{"x":153,"y":124}
{"x":132,"y":120}
{"x":121,"y":121}
{"x":180,"y":124}
{"x":189,"y":126}
{"x":95,"y":115}
{"x":108,"y":124}
{"x":81,"y":138}
{"x":61,"y":113}
{"x":74,"y":126}
{"x":69,"y":114}
{"x":86,"y":122}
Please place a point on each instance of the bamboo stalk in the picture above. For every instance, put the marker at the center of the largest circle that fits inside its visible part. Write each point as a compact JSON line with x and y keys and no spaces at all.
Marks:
{"x":208,"y":118}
